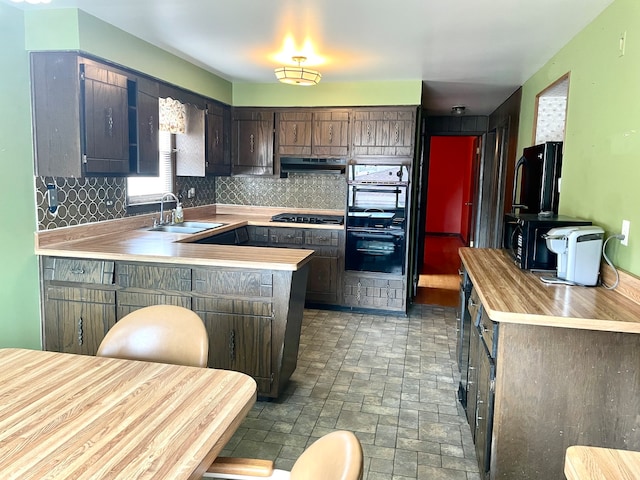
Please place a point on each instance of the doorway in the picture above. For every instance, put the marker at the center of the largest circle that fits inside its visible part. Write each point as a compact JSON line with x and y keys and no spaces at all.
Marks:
{"x":448,"y":216}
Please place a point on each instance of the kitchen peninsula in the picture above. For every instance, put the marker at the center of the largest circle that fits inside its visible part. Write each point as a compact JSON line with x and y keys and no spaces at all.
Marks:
{"x":250,"y":298}
{"x":544,"y":367}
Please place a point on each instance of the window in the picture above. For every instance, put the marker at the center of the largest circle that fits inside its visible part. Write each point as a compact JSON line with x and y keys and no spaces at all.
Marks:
{"x":150,"y":189}
{"x":551,"y":112}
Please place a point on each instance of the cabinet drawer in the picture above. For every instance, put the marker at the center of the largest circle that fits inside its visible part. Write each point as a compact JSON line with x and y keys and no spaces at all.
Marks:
{"x":153,"y":277}
{"x":488,"y":330}
{"x":287,"y":236}
{"x":237,"y":283}
{"x":321,"y":238}
{"x":78,"y":270}
{"x":473,"y":304}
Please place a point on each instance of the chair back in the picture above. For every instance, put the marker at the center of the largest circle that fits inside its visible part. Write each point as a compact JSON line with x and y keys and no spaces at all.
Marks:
{"x":160,"y":333}
{"x":337,"y":455}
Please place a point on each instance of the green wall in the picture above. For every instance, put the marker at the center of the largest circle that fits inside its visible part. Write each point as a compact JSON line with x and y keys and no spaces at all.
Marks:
{"x":19,"y":297}
{"x":601,"y":163}
{"x":72,"y":29}
{"x":327,"y":94}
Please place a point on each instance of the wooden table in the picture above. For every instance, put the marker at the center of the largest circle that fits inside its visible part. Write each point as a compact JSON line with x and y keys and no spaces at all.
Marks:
{"x":66,"y":416}
{"x":594,"y":463}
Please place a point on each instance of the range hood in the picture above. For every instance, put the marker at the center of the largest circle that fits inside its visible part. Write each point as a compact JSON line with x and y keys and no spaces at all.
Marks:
{"x":311,"y":165}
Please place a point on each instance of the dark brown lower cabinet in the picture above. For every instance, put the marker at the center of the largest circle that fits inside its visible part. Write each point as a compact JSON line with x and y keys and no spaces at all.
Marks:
{"x":76,"y":319}
{"x":253,"y":316}
{"x":375,"y":291}
{"x":532,"y":391}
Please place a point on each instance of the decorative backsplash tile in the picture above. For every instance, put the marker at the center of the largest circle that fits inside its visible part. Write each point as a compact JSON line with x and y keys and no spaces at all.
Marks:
{"x":95,"y":199}
{"x":319,"y":191}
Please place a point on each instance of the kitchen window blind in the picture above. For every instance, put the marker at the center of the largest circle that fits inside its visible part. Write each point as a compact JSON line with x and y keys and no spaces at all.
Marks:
{"x":150,"y":189}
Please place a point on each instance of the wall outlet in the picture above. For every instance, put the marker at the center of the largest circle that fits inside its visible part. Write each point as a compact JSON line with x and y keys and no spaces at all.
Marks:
{"x":191,"y":192}
{"x":52,"y":197}
{"x":626,"y":225}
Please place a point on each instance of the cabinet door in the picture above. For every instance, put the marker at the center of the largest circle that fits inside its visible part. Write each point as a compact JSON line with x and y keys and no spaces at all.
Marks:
{"x":106,"y":121}
{"x":384,"y":132}
{"x":472,"y":380}
{"x":147,"y":112}
{"x":484,"y":408}
{"x":218,"y":158}
{"x":76,"y":319}
{"x":253,"y":143}
{"x":239,"y":342}
{"x":322,"y":282}
{"x":55,"y":102}
{"x":294,"y":133}
{"x":331,"y":133}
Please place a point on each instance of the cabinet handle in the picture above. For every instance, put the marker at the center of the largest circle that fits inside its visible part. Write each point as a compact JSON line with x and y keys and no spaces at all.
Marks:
{"x":358,"y":291}
{"x":80,"y":332}
{"x":252,"y":143}
{"x":217,"y":137}
{"x":460,"y":272}
{"x":232,"y":344}
{"x":109,"y":119}
{"x":295,"y":133}
{"x":397,"y":134}
{"x":472,"y":303}
{"x":368,"y":133}
{"x":77,"y":271}
{"x":331,"y":133}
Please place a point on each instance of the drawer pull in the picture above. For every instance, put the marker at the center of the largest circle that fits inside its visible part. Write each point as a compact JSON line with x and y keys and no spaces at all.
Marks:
{"x":232,"y":344}
{"x":77,"y":271}
{"x":80,"y":332}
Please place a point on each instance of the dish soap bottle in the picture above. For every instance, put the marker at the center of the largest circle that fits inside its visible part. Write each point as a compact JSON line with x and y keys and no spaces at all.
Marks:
{"x":179,"y":213}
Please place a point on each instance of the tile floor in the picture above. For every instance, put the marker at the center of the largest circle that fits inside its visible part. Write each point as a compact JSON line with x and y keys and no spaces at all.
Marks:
{"x":392,"y":380}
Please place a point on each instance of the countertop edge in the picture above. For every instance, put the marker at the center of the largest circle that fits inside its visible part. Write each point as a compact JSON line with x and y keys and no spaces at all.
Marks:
{"x":537,"y":319}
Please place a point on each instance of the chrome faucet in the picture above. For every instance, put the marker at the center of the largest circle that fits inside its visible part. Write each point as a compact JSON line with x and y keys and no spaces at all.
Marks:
{"x":162,"y":221}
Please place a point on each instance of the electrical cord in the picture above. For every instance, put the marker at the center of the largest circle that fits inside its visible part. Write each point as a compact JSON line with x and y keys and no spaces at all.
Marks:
{"x":606,"y":258}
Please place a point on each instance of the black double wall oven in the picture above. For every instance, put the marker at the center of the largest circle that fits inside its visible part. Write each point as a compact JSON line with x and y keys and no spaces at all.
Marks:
{"x":376,"y":221}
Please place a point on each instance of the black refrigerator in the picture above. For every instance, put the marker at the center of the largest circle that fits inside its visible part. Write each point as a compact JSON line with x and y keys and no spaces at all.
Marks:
{"x":536,"y":184}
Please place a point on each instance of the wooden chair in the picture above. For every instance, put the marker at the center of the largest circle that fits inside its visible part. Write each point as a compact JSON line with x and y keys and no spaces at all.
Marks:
{"x":335,"y":456}
{"x":160,"y":333}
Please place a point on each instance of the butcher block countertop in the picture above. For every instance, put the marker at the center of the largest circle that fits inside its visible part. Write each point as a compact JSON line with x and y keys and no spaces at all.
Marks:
{"x":594,"y":463}
{"x":512,"y":295}
{"x":129,"y":239}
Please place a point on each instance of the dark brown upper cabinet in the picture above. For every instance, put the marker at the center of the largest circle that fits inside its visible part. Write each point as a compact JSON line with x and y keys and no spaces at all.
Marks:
{"x":91,"y":119}
{"x":217,"y":133}
{"x":294,"y":133}
{"x":252,"y":150}
{"x":388,"y":131}
{"x":105,"y":120}
{"x":316,"y":133}
{"x":143,"y":143}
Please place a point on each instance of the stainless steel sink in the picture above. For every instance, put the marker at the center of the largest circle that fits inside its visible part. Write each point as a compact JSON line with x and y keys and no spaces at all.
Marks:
{"x":186,"y":227}
{"x":203,"y":225}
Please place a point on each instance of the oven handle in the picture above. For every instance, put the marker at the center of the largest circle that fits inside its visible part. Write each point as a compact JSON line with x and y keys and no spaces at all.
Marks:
{"x":372,"y":236}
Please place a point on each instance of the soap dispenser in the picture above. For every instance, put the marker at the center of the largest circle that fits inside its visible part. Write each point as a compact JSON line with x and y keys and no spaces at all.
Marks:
{"x":179,"y":213}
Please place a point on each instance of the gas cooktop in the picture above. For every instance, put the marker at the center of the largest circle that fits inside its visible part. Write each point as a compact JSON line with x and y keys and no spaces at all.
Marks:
{"x":306,"y":218}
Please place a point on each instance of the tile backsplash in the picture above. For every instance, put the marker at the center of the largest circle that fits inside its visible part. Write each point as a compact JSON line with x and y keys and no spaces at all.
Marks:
{"x":95,"y":199}
{"x":318,"y":191}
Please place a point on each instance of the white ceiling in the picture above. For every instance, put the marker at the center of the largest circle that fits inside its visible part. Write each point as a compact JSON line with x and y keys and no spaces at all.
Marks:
{"x":467,"y":52}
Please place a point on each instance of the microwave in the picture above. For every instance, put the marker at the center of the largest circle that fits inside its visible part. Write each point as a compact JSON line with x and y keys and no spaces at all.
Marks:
{"x":524,"y":238}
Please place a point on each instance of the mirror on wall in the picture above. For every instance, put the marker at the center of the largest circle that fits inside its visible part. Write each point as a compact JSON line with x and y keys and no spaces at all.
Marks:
{"x":551,"y":112}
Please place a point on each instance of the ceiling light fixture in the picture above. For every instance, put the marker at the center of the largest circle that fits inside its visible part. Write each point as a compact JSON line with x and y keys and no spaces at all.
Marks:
{"x":298,"y":75}
{"x":458,"y":110}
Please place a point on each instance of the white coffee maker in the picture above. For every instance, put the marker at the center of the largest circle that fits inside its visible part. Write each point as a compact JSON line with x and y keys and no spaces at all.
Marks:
{"x":579,"y":249}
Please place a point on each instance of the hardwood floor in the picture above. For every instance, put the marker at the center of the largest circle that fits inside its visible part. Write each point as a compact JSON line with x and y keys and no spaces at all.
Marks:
{"x":439,"y":281}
